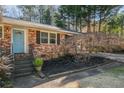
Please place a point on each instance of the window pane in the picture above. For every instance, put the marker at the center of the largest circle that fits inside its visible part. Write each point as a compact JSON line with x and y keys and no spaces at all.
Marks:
{"x":0,"y":32}
{"x":53,"y":41}
{"x":43,"y":34}
{"x":52,"y":38}
{"x":44,"y":37}
{"x":44,"y":40}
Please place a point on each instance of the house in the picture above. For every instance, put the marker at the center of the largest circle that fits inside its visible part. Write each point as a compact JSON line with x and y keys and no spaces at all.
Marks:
{"x":20,"y":37}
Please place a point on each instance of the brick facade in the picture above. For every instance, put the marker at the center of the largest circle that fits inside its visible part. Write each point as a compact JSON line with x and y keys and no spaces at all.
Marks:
{"x":43,"y":50}
{"x":46,"y":51}
{"x":5,"y":43}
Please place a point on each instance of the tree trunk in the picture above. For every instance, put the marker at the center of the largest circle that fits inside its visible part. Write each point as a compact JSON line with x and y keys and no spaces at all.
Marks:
{"x":94,"y":21}
{"x":1,"y":13}
{"x":76,"y":18}
{"x":30,"y":18}
{"x":122,"y":23}
{"x":80,"y":25}
{"x":88,"y":24}
{"x":76,"y":24}
{"x":121,"y":34}
{"x":73,"y":23}
{"x":41,"y":20}
{"x":68,"y":23}
{"x":100,"y":21}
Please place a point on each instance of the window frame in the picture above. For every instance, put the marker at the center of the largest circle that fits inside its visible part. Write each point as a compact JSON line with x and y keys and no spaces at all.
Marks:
{"x":40,"y":38}
{"x":2,"y":31}
{"x":49,"y":37}
{"x":52,"y":38}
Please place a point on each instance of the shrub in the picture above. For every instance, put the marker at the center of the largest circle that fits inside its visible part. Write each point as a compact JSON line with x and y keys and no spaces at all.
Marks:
{"x":6,"y":68}
{"x":38,"y":62}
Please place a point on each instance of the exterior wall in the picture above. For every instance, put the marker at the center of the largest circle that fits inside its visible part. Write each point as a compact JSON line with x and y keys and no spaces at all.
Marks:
{"x":46,"y":51}
{"x":5,"y":42}
{"x":62,"y":36}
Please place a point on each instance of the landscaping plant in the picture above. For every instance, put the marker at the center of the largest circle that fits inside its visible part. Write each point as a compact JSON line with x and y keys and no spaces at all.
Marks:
{"x":38,"y":64}
{"x":6,"y":68}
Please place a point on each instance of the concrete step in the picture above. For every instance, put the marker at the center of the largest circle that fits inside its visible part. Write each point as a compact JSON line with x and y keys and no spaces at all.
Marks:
{"x":23,"y":66}
{"x":23,"y":62}
{"x":22,"y":74}
{"x":23,"y":70}
{"x":22,"y":56}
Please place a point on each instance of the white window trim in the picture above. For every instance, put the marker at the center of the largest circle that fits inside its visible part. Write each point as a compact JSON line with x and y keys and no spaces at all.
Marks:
{"x":40,"y":38}
{"x":55,"y":38}
{"x":2,"y":31}
{"x":48,"y":37}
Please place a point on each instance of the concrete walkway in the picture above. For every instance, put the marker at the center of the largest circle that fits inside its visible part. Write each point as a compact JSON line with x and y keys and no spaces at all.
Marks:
{"x":113,"y":57}
{"x":27,"y":81}
{"x":97,"y":77}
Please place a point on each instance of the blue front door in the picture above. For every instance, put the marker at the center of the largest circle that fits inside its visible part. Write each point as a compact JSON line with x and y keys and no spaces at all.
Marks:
{"x":18,"y":41}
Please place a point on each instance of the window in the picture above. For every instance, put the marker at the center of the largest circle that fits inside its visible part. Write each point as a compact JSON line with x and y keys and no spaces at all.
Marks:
{"x":52,"y":38}
{"x":1,"y":32}
{"x":44,"y":37}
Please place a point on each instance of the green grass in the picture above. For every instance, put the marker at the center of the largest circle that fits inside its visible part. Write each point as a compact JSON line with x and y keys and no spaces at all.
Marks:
{"x":117,"y":70}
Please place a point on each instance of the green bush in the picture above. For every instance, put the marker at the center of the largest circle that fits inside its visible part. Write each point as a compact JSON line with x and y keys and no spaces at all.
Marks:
{"x":38,"y":62}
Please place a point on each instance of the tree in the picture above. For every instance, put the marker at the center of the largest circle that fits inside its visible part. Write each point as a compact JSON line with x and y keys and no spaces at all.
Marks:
{"x":105,"y":12}
{"x":28,"y":12}
{"x":40,"y":12}
{"x":71,"y":17}
{"x":115,"y":25}
{"x":2,"y":10}
{"x":94,"y":18}
{"x":59,"y":21}
{"x":47,"y":17}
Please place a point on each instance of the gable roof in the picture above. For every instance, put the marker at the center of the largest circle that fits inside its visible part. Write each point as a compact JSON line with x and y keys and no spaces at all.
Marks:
{"x":14,"y":21}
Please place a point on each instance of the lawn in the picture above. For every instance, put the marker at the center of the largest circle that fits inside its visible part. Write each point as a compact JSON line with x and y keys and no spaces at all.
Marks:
{"x":111,"y":78}
{"x":117,"y":70}
{"x":107,"y":76}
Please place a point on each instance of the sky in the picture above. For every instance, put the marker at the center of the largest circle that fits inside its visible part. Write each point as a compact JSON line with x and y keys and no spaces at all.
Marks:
{"x":12,"y":11}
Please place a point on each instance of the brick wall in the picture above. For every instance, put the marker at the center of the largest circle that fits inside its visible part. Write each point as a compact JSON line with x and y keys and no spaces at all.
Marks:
{"x":46,"y":51}
{"x":5,"y":43}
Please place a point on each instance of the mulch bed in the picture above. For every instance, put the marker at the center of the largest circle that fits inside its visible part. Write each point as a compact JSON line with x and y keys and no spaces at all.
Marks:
{"x":69,"y":62}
